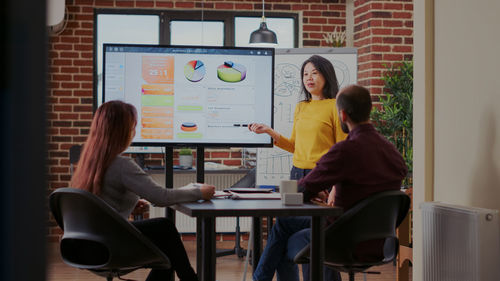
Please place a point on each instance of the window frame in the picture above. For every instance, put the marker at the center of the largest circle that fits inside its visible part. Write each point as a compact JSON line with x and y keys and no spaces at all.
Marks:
{"x":228,"y":18}
{"x":168,"y":15}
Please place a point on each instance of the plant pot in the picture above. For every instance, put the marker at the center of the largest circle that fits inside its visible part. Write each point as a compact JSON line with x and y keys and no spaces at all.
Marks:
{"x":186,"y":161}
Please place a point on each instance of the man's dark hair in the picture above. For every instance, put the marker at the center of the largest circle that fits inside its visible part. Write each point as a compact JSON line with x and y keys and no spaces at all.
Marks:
{"x":356,"y":102}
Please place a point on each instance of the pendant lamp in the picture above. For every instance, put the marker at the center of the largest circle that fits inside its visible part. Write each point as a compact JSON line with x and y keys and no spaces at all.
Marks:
{"x":263,"y":34}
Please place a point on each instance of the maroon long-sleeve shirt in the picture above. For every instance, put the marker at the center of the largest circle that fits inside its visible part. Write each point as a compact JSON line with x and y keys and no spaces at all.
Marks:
{"x":363,"y":164}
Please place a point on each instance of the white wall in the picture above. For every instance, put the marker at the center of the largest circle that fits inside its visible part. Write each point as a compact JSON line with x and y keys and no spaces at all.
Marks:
{"x":467,"y":102}
{"x":457,"y":106}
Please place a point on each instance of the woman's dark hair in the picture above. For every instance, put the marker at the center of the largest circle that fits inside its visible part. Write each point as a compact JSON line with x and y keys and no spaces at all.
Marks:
{"x":325,"y":67}
{"x":110,"y":134}
{"x":356,"y":102}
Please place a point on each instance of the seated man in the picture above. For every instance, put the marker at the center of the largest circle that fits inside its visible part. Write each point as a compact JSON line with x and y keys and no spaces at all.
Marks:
{"x":363,"y":164}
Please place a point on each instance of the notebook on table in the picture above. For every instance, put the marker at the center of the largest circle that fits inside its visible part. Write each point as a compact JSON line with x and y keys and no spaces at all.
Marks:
{"x":256,"y":196}
{"x":248,"y":190}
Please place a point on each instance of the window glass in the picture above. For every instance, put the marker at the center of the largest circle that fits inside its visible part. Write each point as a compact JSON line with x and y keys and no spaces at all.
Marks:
{"x":208,"y":33}
{"x":283,"y":27}
{"x":145,"y":29}
{"x":133,"y":29}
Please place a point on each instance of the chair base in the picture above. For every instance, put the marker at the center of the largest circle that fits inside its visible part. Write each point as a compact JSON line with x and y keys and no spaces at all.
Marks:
{"x":351,"y":274}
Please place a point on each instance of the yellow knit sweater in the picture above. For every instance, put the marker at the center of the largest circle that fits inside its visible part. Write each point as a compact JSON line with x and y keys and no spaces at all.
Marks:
{"x":316,"y":127}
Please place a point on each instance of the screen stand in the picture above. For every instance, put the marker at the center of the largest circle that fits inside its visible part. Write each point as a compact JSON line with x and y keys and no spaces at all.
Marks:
{"x":200,"y":177}
{"x":169,"y":178}
{"x":200,"y":164}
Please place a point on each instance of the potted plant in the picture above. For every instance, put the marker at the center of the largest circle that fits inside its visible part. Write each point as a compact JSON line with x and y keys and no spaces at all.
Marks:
{"x":185,"y":158}
{"x":394,"y":119}
{"x":337,"y":38}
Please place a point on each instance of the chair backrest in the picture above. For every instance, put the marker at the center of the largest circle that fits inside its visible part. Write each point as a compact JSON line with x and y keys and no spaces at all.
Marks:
{"x":96,"y":237}
{"x":373,"y":219}
{"x":247,"y":180}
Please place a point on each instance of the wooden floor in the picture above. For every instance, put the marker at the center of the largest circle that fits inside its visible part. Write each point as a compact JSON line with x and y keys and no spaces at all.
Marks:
{"x":229,"y":268}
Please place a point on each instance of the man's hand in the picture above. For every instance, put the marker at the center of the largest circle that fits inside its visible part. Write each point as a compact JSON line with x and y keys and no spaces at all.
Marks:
{"x":331,"y":197}
{"x":321,"y":197}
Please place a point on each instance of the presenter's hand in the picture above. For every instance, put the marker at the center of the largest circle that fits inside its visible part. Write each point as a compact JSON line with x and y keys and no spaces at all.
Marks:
{"x":207,"y":191}
{"x":259,"y":128}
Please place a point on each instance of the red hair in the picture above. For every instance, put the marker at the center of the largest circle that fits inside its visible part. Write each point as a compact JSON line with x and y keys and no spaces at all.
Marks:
{"x":110,"y":134}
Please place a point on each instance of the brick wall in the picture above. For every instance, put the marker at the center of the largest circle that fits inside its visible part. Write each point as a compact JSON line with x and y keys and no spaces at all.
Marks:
{"x":229,"y":157}
{"x":383,"y":34}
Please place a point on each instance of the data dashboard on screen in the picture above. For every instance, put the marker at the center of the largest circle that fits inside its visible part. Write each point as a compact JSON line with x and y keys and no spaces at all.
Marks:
{"x":192,"y":95}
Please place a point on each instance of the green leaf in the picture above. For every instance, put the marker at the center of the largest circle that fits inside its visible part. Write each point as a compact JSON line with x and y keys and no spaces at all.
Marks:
{"x":395,"y":118}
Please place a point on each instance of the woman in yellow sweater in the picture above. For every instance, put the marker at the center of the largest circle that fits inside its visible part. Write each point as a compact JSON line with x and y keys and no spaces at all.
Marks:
{"x":316,"y":126}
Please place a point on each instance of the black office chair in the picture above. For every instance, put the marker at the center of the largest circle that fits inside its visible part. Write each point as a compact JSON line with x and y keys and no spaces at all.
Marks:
{"x":98,"y":239}
{"x":365,"y":235}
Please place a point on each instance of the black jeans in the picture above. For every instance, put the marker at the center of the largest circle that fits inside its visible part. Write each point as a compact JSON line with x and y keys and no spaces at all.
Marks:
{"x":297,"y":174}
{"x":164,"y":235}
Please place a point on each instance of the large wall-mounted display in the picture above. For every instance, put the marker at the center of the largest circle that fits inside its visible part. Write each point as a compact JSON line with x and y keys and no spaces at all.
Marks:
{"x":192,"y":95}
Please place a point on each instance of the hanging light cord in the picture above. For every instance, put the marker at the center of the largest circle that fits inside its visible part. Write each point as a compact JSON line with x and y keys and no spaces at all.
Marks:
{"x":202,"y":23}
{"x":263,"y":17}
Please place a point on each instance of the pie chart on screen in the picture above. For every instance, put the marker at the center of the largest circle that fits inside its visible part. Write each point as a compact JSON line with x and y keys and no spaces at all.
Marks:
{"x":194,"y":70}
{"x":189,"y":127}
{"x":231,"y":72}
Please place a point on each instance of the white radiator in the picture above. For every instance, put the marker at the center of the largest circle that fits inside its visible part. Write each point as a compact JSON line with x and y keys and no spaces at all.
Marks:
{"x":460,"y":243}
{"x":187,"y":224}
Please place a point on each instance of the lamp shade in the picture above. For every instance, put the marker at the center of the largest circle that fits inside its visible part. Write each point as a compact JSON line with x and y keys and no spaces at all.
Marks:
{"x":263,"y":35}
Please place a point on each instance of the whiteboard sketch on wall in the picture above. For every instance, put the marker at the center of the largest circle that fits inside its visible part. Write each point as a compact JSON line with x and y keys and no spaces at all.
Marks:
{"x":286,"y":79}
{"x":274,"y":164}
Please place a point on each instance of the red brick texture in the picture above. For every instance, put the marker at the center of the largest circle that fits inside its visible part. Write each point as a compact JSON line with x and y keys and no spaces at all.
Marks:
{"x":383,"y":34}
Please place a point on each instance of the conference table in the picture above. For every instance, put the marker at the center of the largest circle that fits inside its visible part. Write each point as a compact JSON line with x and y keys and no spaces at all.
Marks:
{"x":206,"y":212}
